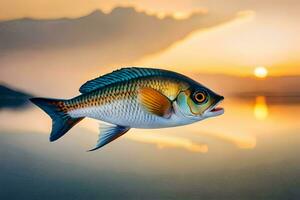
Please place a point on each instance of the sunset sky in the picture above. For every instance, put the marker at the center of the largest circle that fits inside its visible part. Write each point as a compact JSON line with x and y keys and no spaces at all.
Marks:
{"x":245,"y":50}
{"x":263,"y":33}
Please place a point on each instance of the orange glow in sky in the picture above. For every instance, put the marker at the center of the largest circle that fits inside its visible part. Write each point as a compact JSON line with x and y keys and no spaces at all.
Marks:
{"x":262,"y":33}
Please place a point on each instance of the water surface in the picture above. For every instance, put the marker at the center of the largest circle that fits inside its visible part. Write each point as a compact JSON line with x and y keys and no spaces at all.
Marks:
{"x":251,"y":152}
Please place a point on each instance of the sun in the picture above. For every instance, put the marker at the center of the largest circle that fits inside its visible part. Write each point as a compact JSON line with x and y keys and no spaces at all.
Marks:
{"x":261,"y":72}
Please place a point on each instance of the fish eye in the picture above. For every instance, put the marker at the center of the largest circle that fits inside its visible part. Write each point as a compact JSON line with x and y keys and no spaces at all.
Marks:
{"x":200,"y":97}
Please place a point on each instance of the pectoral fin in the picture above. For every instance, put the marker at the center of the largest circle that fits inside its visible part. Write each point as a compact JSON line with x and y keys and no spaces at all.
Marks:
{"x":109,"y":133}
{"x":155,"y":102}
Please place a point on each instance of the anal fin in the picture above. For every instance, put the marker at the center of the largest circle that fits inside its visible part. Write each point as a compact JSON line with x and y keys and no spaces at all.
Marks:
{"x":108,"y":133}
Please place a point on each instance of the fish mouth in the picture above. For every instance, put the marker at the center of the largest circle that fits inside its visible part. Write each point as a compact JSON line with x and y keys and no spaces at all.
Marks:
{"x":215,"y":110}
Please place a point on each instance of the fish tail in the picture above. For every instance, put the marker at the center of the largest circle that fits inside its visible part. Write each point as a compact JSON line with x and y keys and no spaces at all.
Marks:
{"x":62,"y":122}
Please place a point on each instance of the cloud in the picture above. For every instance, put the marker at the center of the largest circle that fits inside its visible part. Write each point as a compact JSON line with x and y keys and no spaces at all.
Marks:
{"x":78,"y":48}
{"x":122,"y":30}
{"x":14,"y":9}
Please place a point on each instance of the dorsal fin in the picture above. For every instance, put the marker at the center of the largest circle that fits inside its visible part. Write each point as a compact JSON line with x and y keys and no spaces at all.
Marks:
{"x":120,"y":75}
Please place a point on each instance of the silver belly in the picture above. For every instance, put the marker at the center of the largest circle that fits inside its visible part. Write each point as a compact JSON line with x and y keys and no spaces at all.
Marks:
{"x":128,"y":113}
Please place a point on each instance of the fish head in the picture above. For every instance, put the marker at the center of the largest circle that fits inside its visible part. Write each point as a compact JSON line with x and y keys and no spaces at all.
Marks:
{"x":197,"y":103}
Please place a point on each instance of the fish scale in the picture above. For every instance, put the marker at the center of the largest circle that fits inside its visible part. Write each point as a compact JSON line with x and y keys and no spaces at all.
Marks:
{"x":118,"y":104}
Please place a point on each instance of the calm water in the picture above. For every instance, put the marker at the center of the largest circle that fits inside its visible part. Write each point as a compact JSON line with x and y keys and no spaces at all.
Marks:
{"x":251,"y":152}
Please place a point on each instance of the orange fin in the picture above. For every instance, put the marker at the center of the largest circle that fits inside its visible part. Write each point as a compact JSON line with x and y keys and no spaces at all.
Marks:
{"x":155,"y":102}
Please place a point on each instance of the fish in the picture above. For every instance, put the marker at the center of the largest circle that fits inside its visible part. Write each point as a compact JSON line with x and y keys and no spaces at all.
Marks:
{"x":133,"y":97}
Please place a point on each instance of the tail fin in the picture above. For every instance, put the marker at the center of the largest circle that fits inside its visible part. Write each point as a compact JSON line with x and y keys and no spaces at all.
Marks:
{"x":61,"y":120}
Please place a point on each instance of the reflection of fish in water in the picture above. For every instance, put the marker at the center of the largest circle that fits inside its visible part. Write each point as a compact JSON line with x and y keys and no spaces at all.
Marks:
{"x":133,"y":98}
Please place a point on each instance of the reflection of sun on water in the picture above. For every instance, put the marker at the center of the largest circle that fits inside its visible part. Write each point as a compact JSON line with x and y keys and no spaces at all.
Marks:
{"x":168,"y":142}
{"x":261,"y":108}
